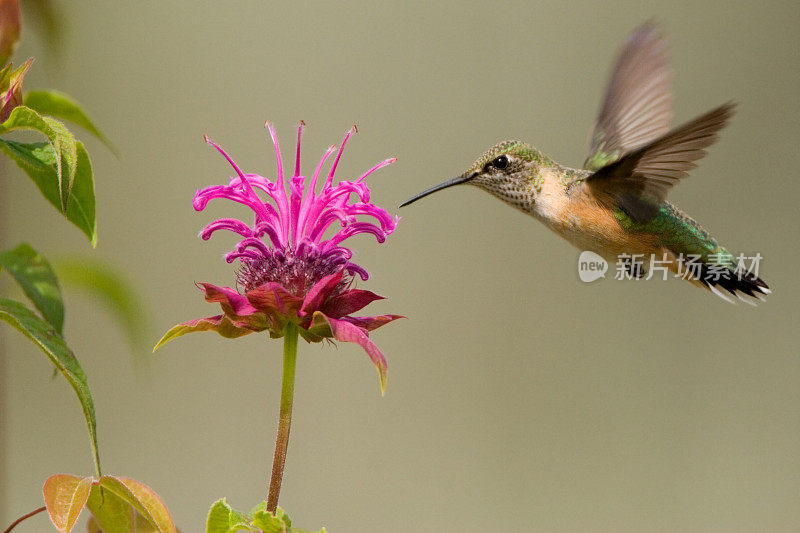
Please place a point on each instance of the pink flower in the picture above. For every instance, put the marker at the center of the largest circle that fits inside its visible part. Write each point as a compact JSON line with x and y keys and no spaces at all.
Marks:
{"x":289,"y":271}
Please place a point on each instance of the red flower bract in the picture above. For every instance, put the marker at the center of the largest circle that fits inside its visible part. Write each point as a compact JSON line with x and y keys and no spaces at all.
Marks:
{"x":295,"y":275}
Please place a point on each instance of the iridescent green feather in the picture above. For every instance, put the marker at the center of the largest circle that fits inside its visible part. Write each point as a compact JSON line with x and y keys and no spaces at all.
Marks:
{"x":601,"y":158}
{"x":679,"y":233}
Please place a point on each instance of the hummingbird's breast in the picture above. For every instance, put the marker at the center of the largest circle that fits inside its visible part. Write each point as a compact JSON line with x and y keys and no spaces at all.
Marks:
{"x":570,"y":211}
{"x":588,"y":223}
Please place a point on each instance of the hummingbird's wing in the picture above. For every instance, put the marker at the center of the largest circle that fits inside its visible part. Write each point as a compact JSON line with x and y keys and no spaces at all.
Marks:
{"x":638,"y":104}
{"x":640,"y":180}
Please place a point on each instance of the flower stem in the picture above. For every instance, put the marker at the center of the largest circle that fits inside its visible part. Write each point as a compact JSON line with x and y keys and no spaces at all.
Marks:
{"x":285,"y":421}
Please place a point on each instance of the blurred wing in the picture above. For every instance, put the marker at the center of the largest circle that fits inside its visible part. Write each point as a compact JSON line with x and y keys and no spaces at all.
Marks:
{"x":638,"y":105}
{"x":640,"y":180}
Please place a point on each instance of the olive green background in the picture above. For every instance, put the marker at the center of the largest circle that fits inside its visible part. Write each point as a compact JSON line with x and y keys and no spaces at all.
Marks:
{"x":519,"y":398}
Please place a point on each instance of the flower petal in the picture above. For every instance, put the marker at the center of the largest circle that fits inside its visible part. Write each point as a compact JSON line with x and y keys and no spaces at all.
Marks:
{"x":344,"y":331}
{"x":371,"y":322}
{"x":230,"y":224}
{"x":249,"y":198}
{"x":329,"y":181}
{"x":320,"y":292}
{"x":348,"y":302}
{"x":220,"y":323}
{"x":229,"y":299}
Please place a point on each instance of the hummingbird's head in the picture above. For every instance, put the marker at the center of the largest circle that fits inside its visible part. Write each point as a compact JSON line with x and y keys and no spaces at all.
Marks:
{"x":509,"y":170}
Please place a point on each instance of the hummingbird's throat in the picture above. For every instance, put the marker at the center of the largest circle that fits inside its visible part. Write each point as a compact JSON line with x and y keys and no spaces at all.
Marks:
{"x":521,"y":193}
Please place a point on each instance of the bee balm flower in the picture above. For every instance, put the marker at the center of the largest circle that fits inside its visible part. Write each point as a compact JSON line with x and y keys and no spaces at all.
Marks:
{"x":290,"y":272}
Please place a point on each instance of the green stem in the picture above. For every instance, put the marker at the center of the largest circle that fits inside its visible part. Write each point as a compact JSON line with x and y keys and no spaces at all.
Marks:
{"x":285,"y":421}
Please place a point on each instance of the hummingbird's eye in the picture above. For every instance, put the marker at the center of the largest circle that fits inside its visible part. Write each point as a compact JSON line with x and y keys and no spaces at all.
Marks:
{"x":500,"y":162}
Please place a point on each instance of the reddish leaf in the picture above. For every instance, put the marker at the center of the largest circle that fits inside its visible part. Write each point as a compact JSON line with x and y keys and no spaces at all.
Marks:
{"x":220,"y":323}
{"x":348,"y":302}
{"x":276,"y":302}
{"x":371,"y":322}
{"x":320,"y":292}
{"x":11,"y":89}
{"x":344,"y":331}
{"x":65,"y":496}
{"x":231,"y":301}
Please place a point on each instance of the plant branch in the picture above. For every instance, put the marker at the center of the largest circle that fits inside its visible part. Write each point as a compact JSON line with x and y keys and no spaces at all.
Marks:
{"x":24,"y":517}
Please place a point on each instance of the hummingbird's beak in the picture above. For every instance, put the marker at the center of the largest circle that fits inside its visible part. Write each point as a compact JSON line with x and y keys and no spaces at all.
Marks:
{"x":449,"y":183}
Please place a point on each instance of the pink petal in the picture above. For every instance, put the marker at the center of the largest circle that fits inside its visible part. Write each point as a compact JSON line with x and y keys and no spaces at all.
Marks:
{"x":329,"y":181}
{"x":252,"y":198}
{"x":310,"y":197}
{"x":230,"y":224}
{"x":346,"y":332}
{"x":280,"y":198}
{"x":355,"y":229}
{"x":377,"y":167}
{"x":296,"y":191}
{"x":297,"y":156}
{"x":348,"y":302}
{"x":229,"y":299}
{"x":320,"y":292}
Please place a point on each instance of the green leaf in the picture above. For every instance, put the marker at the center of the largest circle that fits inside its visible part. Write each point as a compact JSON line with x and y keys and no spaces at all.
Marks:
{"x":113,"y":289}
{"x":63,"y":142}
{"x":81,"y":206}
{"x":59,"y":105}
{"x":269,"y":523}
{"x":39,"y":162}
{"x":65,"y":497}
{"x":143,"y":500}
{"x":51,"y":343}
{"x":277,"y":523}
{"x":222,"y":518}
{"x":37,"y":279}
{"x":111,"y":513}
{"x":280,"y":514}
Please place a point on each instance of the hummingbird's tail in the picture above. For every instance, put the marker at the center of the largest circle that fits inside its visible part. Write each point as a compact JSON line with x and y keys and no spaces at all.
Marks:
{"x":738,"y":282}
{"x":696,"y":256}
{"x":724,"y":275}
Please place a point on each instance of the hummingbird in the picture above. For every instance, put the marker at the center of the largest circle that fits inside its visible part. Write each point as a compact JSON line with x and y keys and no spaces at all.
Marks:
{"x":616,"y":204}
